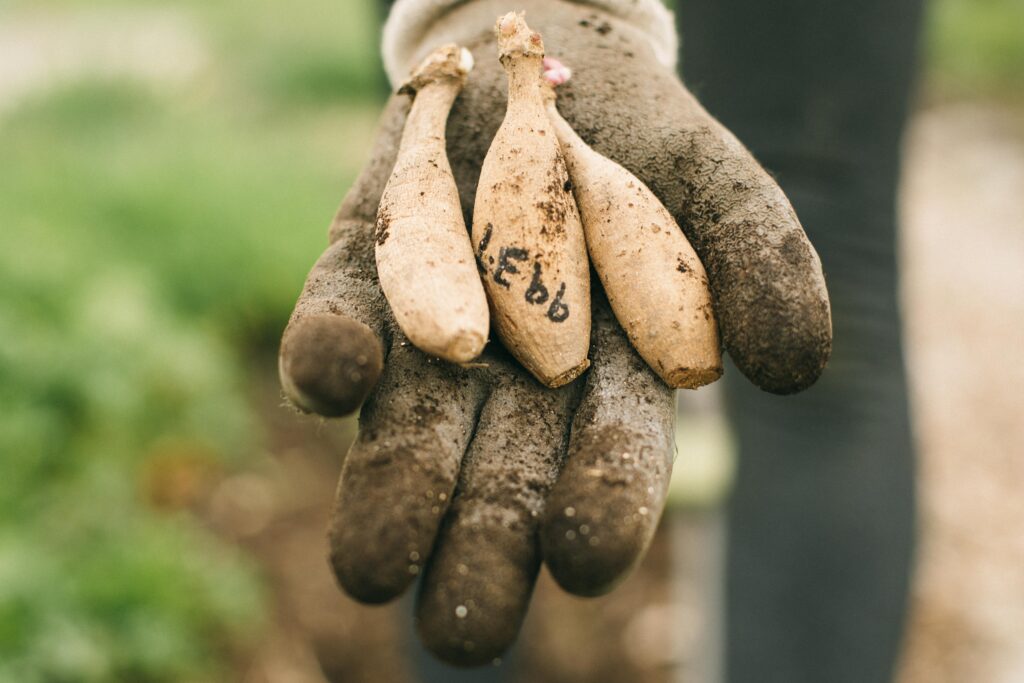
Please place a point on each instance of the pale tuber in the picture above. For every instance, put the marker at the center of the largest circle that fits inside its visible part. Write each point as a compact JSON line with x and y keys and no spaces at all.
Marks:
{"x":527,"y":229}
{"x":425,"y":259}
{"x":655,"y":283}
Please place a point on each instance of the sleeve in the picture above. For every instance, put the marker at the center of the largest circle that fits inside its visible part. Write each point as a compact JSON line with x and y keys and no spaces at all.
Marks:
{"x":409,"y":20}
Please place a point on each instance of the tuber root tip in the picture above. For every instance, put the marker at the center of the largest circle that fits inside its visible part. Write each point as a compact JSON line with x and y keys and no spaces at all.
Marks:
{"x":465,"y":346}
{"x":692,"y":378}
{"x":567,"y":376}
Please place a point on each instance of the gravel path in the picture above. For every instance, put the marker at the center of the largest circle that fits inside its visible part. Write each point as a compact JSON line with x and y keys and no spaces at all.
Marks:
{"x":963,"y":250}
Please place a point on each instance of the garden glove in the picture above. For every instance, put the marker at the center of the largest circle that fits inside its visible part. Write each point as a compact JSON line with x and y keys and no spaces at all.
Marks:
{"x":473,"y":475}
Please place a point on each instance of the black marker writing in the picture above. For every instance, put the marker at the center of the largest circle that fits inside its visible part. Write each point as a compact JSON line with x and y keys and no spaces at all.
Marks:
{"x":506,"y":253}
{"x":557,"y":311}
{"x":486,"y":239}
{"x":537,"y":292}
{"x":484,"y":242}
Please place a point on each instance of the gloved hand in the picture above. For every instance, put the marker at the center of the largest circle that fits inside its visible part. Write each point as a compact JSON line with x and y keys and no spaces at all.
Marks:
{"x":473,"y":475}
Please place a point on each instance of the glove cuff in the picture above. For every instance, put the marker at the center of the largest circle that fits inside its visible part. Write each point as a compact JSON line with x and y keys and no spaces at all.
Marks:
{"x":409,"y":21}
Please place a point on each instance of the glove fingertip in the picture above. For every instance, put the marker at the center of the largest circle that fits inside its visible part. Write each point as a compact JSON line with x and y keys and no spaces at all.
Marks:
{"x":329,"y":363}
{"x":364,"y":579}
{"x":788,"y":361}
{"x":604,"y":510}
{"x":593,"y":564}
{"x":475,"y":593}
{"x":383,"y":527}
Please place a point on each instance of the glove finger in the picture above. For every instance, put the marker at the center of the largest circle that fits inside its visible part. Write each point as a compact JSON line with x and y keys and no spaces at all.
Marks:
{"x":769,"y":290}
{"x":399,"y":475}
{"x":771,"y":301}
{"x":479,"y":580}
{"x":331,"y":352}
{"x":603,"y":512}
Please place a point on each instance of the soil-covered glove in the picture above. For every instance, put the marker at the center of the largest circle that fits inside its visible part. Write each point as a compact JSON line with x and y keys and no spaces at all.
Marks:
{"x":473,"y":475}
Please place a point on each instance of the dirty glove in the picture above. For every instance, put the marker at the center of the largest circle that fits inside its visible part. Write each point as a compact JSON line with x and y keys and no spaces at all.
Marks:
{"x":474,"y":475}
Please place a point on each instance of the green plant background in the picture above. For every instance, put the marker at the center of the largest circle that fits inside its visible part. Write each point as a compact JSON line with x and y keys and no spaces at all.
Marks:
{"x":151,"y":244}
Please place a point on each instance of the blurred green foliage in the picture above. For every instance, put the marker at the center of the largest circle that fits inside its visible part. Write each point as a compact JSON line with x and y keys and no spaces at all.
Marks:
{"x":976,"y":47}
{"x":151,"y":244}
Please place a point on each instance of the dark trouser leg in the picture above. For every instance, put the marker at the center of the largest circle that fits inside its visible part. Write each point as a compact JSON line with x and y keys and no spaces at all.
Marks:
{"x":822,"y":518}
